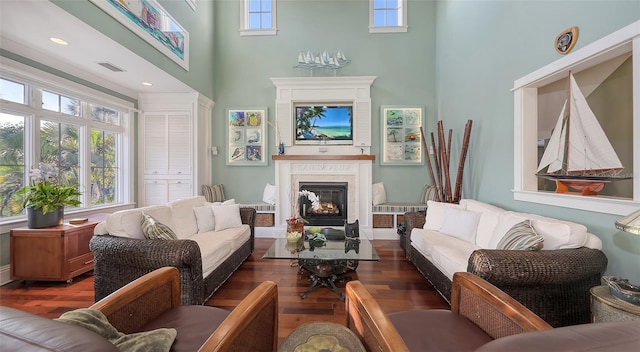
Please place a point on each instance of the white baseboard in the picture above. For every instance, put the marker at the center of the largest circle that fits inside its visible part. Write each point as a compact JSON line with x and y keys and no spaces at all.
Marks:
{"x":5,"y":274}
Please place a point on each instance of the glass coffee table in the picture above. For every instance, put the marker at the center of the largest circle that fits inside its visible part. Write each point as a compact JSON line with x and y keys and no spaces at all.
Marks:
{"x":326,"y":264}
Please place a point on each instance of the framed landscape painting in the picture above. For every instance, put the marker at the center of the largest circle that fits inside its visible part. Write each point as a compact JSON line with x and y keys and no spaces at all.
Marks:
{"x":401,"y":138}
{"x":247,"y":137}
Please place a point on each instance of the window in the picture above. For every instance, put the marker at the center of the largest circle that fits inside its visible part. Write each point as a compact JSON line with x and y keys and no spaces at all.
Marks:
{"x":84,"y":134}
{"x":607,"y":71}
{"x":387,"y":16}
{"x":258,"y":17}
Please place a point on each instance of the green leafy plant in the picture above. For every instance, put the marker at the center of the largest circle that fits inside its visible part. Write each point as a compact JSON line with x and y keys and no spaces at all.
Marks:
{"x":46,"y":192}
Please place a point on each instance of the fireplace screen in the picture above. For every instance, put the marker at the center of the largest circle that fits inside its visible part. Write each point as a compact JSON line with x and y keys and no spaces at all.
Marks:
{"x":333,"y":203}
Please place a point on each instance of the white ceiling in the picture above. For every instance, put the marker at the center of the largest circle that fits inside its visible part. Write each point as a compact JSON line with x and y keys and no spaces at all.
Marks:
{"x":27,"y":25}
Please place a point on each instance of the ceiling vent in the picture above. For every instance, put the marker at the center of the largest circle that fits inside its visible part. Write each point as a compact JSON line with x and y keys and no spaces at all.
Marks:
{"x":110,"y":67}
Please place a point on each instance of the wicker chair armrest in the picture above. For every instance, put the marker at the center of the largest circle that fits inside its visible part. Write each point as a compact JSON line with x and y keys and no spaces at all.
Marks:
{"x":367,"y":320}
{"x":494,"y":311}
{"x":145,"y":253}
{"x":251,"y":326}
{"x":135,"y":305}
{"x":531,"y":268}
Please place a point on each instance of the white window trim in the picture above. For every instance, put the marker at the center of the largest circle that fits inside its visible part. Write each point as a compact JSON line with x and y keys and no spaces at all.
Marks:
{"x":525,"y":89}
{"x":244,"y":21}
{"x":34,"y":77}
{"x":402,"y":28}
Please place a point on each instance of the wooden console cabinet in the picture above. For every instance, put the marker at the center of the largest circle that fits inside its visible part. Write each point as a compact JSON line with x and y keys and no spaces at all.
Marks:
{"x":57,"y":253}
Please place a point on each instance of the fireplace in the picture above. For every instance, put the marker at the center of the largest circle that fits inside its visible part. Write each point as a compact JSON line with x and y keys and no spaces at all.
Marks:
{"x":333,"y":203}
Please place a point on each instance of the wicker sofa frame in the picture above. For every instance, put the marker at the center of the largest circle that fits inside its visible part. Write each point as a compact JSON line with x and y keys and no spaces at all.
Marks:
{"x":120,"y":260}
{"x":554,"y":284}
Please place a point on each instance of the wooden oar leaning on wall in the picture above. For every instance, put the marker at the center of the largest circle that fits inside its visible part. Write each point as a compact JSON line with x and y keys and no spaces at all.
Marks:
{"x":441,"y":178}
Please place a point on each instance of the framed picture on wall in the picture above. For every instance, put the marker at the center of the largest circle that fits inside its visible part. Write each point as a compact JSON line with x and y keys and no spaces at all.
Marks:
{"x":247,"y":137}
{"x":401,"y":138}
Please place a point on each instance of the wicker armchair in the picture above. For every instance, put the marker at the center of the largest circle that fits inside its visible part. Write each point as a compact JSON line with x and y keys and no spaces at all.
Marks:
{"x":120,"y":260}
{"x":554,"y":284}
{"x":479,"y":313}
{"x":251,"y":326}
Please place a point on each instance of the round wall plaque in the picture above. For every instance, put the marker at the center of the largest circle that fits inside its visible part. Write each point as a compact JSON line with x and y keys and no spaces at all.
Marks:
{"x":566,"y":40}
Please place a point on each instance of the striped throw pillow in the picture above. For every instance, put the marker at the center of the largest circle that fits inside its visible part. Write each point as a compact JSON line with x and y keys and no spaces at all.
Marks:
{"x":521,"y":236}
{"x":154,"y":230}
{"x":428,"y":193}
{"x":213,"y":193}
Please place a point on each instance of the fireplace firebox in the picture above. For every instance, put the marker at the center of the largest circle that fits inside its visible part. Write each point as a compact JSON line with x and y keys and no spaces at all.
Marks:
{"x":333,"y":203}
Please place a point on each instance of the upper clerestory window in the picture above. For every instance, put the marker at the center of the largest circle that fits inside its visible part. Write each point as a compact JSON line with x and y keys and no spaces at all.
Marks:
{"x":258,"y":17}
{"x":387,"y":16}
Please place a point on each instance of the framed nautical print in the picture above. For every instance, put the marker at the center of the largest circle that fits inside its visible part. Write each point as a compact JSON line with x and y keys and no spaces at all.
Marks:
{"x":246,"y":137}
{"x":401,"y":137}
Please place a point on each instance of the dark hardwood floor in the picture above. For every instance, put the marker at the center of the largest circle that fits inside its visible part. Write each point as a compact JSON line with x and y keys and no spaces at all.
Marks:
{"x":393,"y":281}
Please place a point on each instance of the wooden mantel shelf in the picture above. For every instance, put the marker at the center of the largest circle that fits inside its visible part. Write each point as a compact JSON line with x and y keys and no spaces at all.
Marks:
{"x":324,"y":157}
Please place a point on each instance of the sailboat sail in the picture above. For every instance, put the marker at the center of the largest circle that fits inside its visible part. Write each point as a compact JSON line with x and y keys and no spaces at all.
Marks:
{"x":587,"y":149}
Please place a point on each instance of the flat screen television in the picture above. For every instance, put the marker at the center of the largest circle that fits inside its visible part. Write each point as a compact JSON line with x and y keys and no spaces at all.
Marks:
{"x":324,"y":123}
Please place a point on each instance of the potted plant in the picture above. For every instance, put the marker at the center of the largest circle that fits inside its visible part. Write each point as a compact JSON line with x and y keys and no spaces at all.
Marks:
{"x":46,"y":197}
{"x":295,"y":223}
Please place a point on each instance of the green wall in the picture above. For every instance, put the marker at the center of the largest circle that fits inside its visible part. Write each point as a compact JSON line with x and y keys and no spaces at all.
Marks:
{"x":482,"y":47}
{"x":404,"y":64}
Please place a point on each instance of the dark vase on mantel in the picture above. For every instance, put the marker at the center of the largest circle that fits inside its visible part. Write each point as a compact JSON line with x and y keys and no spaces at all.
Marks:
{"x":37,"y":220}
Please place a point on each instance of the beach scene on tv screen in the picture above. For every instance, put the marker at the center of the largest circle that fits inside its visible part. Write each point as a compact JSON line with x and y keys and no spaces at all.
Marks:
{"x":323,"y":123}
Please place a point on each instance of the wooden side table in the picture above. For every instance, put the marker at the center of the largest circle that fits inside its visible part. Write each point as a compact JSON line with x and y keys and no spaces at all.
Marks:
{"x":605,"y":307}
{"x":57,"y":253}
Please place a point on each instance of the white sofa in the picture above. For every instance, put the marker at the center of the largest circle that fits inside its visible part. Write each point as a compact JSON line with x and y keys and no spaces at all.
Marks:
{"x":213,"y":240}
{"x":554,"y":282}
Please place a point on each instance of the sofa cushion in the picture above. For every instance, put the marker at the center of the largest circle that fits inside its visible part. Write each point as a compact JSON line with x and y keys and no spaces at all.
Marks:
{"x":194,"y":325}
{"x":226,"y":216}
{"x":559,"y":234}
{"x":157,"y":340}
{"x":204,"y":218}
{"x":435,"y":214}
{"x":505,"y":223}
{"x":183,"y":216}
{"x":489,"y":217}
{"x":22,"y":331}
{"x":445,"y":331}
{"x":447,"y":253}
{"x":460,"y":223}
{"x":126,"y":223}
{"x":213,"y":250}
{"x":155,"y":230}
{"x":521,"y":237}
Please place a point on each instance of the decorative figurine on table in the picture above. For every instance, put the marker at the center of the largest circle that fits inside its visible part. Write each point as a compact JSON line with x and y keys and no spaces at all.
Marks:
{"x":316,"y":240}
{"x":351,"y":236}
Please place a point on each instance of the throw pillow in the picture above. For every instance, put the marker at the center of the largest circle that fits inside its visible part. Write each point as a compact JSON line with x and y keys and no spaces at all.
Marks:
{"x":94,"y":320}
{"x":460,"y":223}
{"x":428,"y":193}
{"x":204,"y":218}
{"x":521,"y":237}
{"x":379,"y":195}
{"x":435,"y":214}
{"x":269,"y":194}
{"x":213,"y":193}
{"x":227,"y":216}
{"x":154,"y":230}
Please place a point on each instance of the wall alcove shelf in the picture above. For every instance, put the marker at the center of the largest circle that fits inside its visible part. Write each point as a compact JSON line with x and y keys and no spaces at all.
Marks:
{"x":324,"y":157}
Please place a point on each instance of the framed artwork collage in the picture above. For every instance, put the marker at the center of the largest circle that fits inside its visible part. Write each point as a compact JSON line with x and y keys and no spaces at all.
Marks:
{"x":247,"y":137}
{"x":401,"y":137}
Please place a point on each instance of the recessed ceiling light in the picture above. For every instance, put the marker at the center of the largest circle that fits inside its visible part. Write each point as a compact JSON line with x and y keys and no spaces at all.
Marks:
{"x":147,"y":84}
{"x":59,"y":41}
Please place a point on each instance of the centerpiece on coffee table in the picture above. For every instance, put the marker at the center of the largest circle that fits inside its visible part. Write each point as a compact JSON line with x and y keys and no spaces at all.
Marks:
{"x":295,"y":223}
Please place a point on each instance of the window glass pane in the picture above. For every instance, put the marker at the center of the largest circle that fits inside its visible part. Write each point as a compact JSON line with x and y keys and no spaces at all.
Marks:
{"x":378,"y":18}
{"x":12,"y":91}
{"x":69,"y":106}
{"x":266,"y":20}
{"x":266,"y":5}
{"x":254,"y":21}
{"x":379,"y":4}
{"x":59,"y":145}
{"x":106,"y":115}
{"x":254,"y":5}
{"x":12,"y":168}
{"x":103,"y":167}
{"x":50,"y":101}
{"x":392,"y":18}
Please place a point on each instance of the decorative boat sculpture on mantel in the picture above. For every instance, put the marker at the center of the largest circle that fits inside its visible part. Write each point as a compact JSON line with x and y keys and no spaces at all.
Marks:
{"x":579,"y":154}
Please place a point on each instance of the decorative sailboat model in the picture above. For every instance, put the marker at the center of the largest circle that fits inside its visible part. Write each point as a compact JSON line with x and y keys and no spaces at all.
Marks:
{"x":579,"y":154}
